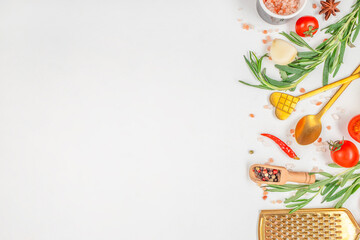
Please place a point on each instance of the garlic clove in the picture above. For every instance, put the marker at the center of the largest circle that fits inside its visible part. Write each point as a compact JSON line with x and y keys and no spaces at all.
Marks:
{"x":282,"y":52}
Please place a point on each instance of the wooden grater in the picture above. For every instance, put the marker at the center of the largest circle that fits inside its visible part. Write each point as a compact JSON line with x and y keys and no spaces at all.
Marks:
{"x":308,"y":224}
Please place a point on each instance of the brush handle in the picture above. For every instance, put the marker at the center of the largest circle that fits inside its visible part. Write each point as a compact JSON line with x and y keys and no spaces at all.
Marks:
{"x":337,"y":94}
{"x":301,"y":177}
{"x":355,"y":75}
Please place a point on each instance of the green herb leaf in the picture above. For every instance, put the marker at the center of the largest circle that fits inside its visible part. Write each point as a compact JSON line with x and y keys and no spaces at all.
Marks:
{"x":346,"y":177}
{"x":357,"y":29}
{"x":334,"y":165}
{"x":325,"y":174}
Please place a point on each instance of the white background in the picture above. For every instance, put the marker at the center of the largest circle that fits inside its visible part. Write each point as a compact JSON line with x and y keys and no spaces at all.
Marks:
{"x":124,"y":120}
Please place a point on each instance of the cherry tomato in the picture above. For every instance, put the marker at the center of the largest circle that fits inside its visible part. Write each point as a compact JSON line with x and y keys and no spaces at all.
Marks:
{"x":354,"y":128}
{"x":344,"y":153}
{"x":306,"y":26}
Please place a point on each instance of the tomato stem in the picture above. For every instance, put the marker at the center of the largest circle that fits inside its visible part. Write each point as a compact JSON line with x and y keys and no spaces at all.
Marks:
{"x":335,"y":146}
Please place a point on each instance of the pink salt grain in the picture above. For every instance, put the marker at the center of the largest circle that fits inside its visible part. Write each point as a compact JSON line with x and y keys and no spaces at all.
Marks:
{"x":282,"y":7}
{"x":267,"y":106}
{"x":314,"y":169}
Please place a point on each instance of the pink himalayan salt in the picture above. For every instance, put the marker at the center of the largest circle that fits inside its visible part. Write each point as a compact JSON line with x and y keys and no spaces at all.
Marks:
{"x":282,"y":7}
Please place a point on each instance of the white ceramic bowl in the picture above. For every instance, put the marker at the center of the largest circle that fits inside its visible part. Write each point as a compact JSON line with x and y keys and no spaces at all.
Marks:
{"x":274,"y":18}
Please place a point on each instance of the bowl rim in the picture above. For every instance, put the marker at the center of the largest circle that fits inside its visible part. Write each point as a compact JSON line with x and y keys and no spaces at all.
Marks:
{"x":282,"y":16}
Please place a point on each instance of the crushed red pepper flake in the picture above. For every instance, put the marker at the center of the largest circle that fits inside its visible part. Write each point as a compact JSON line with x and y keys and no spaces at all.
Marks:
{"x":265,"y":32}
{"x":302,"y":90}
{"x":314,"y":6}
{"x":251,"y":115}
{"x":319,"y":140}
{"x":318,"y":103}
{"x":328,"y":127}
{"x":292,"y":131}
{"x":264,"y":197}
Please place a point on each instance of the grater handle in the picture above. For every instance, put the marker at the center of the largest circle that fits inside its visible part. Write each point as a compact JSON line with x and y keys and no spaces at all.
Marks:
{"x":301,"y":177}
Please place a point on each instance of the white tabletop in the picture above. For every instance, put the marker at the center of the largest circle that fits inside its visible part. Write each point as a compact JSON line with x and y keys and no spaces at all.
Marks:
{"x":125,"y":120}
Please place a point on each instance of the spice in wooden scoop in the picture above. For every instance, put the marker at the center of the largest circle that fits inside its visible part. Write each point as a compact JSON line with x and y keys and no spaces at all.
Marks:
{"x":267,"y":174}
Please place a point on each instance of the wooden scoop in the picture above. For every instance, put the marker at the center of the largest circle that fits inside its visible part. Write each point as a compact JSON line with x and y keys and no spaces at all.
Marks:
{"x":285,"y":104}
{"x":284,"y":176}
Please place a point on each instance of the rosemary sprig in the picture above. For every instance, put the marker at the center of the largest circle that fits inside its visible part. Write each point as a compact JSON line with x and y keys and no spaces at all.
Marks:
{"x":332,"y":188}
{"x":330,"y":52}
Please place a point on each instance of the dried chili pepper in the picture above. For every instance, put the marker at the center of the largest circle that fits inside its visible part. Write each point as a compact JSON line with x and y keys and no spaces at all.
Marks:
{"x":282,"y":145}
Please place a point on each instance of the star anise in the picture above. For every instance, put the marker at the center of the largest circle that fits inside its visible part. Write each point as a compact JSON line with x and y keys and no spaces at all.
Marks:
{"x":329,"y":7}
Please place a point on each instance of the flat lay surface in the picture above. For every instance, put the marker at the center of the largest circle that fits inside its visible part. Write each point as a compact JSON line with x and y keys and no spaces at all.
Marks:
{"x":126,"y":120}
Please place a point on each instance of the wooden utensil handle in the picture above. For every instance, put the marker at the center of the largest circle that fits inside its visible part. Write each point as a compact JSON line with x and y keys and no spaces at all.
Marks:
{"x":348,"y":79}
{"x":301,"y":177}
{"x":337,"y":94}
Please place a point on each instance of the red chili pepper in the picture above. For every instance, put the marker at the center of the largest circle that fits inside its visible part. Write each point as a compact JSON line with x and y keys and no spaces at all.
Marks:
{"x":282,"y":145}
